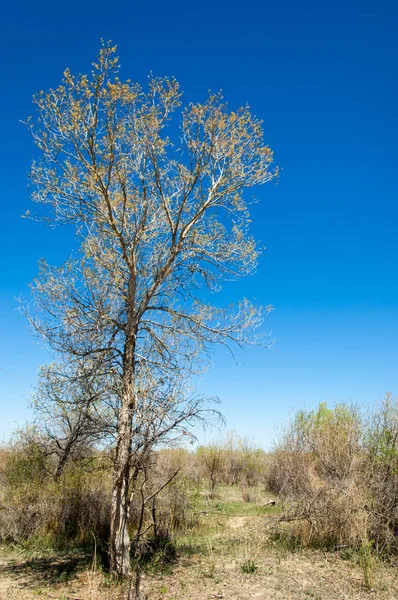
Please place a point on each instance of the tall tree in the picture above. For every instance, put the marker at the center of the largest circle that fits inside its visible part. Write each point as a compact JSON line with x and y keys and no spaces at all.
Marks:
{"x":159,"y":220}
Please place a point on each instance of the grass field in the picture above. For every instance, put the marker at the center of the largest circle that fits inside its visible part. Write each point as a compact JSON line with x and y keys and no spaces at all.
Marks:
{"x":229,"y":554}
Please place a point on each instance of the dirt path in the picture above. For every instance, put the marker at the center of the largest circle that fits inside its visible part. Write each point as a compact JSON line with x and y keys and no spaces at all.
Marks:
{"x":237,"y":522}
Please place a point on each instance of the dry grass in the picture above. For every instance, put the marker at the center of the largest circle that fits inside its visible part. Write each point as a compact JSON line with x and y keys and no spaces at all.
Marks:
{"x":230,"y":534}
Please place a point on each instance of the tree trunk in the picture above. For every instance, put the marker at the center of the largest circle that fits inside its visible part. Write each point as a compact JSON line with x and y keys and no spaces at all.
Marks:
{"x":120,"y":544}
{"x":212,"y":485}
{"x":119,"y":535}
{"x":66,"y":452}
{"x":63,"y":459}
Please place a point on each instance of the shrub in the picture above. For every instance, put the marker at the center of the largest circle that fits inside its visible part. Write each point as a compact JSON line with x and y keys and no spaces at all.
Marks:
{"x":315,"y":470}
{"x":72,"y":511}
{"x":339,"y":477}
{"x":245,"y":463}
{"x":160,"y":507}
{"x":380,"y":472}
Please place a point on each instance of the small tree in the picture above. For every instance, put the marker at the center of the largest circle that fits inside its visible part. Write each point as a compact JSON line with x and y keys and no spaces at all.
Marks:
{"x":213,"y":460}
{"x":157,"y":220}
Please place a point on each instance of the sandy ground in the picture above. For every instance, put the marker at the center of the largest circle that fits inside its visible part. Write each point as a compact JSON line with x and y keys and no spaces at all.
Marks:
{"x":298,"y":576}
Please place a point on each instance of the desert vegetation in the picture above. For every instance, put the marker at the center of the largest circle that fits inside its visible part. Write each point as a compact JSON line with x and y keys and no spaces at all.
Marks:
{"x":327,"y":491}
{"x":332,"y":469}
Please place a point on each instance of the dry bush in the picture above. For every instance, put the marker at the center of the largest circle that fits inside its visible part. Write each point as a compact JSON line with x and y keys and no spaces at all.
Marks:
{"x":173,"y":459}
{"x":338,"y":477}
{"x":177,"y":503}
{"x":84,"y":503}
{"x":4,"y":457}
{"x":247,"y":493}
{"x":316,"y":472}
{"x":36,"y":508}
{"x":232,"y":461}
{"x":254,"y":466}
{"x":380,"y":472}
{"x":165,"y":498}
{"x":245,"y":463}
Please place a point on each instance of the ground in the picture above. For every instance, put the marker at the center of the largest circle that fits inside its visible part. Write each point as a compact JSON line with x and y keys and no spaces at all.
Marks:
{"x":230,"y":556}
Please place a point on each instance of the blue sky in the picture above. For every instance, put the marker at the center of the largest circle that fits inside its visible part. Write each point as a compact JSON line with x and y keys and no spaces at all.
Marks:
{"x":323,"y":76}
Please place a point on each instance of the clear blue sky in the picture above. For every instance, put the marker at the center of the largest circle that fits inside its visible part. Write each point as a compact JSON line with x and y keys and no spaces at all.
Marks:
{"x":323,"y":76}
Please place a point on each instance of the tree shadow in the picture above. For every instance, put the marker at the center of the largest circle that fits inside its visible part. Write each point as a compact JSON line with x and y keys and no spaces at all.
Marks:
{"x":51,"y":570}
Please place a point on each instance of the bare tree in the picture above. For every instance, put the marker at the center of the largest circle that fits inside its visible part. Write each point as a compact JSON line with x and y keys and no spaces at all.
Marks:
{"x":159,"y":223}
{"x":73,"y":409}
